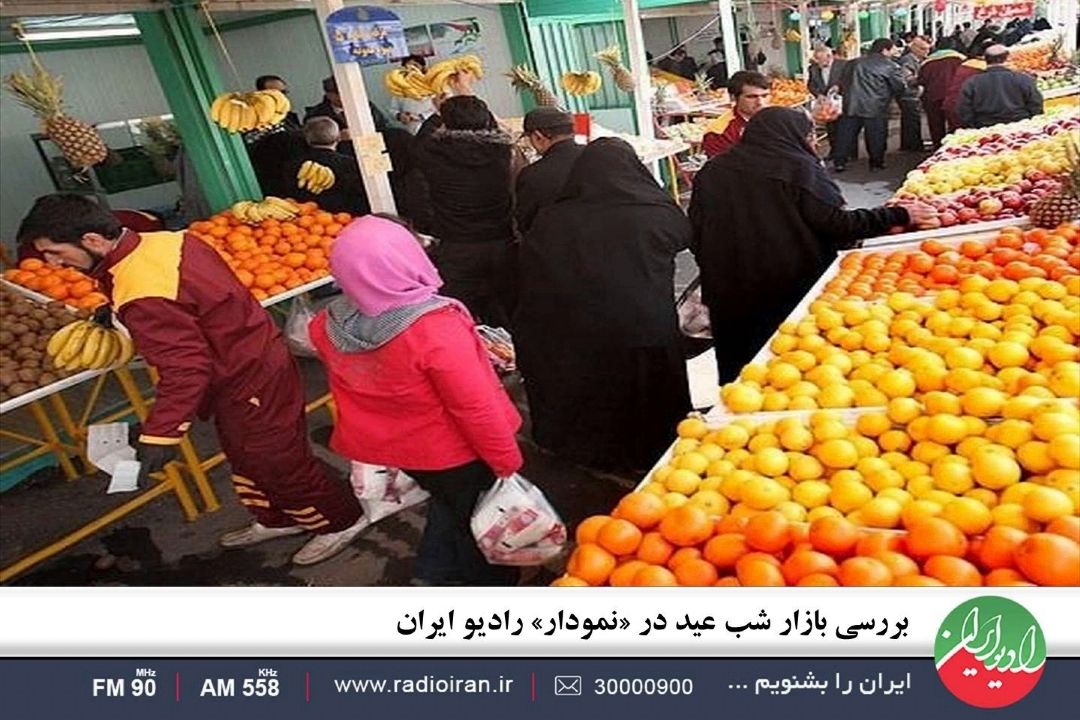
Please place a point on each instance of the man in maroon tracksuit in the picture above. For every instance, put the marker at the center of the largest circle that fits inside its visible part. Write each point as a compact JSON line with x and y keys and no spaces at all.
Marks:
{"x":935,"y":75}
{"x":218,"y":354}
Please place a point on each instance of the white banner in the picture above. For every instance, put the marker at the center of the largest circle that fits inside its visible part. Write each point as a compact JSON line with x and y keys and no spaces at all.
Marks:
{"x":432,"y":622}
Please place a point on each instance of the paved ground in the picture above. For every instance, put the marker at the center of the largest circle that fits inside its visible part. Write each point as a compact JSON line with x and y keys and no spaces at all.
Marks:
{"x":156,"y":547}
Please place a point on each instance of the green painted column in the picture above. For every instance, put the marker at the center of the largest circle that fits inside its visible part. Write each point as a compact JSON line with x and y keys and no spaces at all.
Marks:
{"x":517,"y":37}
{"x":182,"y":59}
{"x":792,"y":50}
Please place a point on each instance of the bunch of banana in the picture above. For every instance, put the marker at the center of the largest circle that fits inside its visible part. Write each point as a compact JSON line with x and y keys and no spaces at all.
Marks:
{"x":269,"y":207}
{"x":242,"y":112}
{"x":407,"y":82}
{"x":314,"y":177}
{"x":440,"y":74}
{"x":581,"y":83}
{"x":85,"y":345}
{"x":792,"y":35}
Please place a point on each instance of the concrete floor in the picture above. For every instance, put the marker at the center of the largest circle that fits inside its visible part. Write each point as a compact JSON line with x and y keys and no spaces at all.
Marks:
{"x":154,"y":546}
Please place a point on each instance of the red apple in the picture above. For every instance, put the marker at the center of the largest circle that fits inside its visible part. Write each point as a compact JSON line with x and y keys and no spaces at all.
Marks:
{"x":966,"y":215}
{"x":989,"y":207}
{"x":947,"y":218}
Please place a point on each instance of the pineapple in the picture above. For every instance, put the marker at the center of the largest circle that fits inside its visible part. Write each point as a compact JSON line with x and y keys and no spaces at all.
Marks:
{"x":525,"y":80}
{"x":702,"y":85}
{"x":41,"y":92}
{"x":1063,"y":205}
{"x":612,"y":58}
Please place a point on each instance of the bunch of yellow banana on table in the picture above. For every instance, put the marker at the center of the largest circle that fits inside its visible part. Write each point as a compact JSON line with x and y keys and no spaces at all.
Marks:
{"x":407,"y":82}
{"x":270,"y":207}
{"x":86,"y":345}
{"x":315,"y":178}
{"x":242,"y":112}
{"x":440,"y":74}
{"x":581,"y":83}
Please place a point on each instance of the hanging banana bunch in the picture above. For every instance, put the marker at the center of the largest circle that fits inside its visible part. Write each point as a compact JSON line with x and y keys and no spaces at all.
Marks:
{"x":407,"y":82}
{"x":440,"y":74}
{"x":243,"y":112}
{"x":315,"y":178}
{"x":581,"y":84}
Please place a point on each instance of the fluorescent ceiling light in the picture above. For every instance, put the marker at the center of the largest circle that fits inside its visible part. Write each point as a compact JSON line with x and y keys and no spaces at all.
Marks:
{"x":89,"y":33}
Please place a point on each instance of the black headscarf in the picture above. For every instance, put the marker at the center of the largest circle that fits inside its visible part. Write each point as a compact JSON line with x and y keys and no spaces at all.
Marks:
{"x":774,"y":146}
{"x":609,"y":171}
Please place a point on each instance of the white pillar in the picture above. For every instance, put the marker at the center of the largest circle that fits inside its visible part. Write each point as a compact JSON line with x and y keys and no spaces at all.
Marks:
{"x":639,"y":66}
{"x":909,"y":18}
{"x":804,"y":39}
{"x":919,"y":20}
{"x":354,"y":98}
{"x":853,"y":20}
{"x":1067,"y":12}
{"x":730,"y":32}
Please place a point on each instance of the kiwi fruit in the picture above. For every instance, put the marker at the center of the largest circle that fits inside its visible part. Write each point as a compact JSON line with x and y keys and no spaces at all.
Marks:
{"x":18,"y":328}
{"x":29,"y":375}
{"x":6,"y":337}
{"x":19,"y":388}
{"x":8,"y":377}
{"x":47,"y":378}
{"x":23,"y":352}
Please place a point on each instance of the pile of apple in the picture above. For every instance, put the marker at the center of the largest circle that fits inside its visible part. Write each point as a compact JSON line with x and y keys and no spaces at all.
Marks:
{"x":977,"y":205}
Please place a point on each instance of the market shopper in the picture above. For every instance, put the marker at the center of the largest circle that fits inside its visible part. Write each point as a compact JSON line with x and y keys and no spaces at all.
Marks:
{"x":964,"y":71}
{"x":998,"y":95}
{"x":596,"y":331}
{"x":220,"y":355}
{"x":935,"y":76}
{"x":467,"y":204}
{"x":414,"y":390}
{"x":910,"y":108}
{"x":871,"y":83}
{"x":767,"y":221}
{"x":826,"y":72}
{"x":551,"y":133}
{"x":749,"y":92}
{"x":347,"y":194}
{"x":332,"y":106}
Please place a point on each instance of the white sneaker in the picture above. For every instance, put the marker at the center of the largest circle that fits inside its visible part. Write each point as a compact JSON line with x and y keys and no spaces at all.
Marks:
{"x":325,"y":546}
{"x":256,"y":533}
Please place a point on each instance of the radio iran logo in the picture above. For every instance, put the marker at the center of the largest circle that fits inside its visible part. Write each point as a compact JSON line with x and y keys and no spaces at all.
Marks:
{"x":990,"y":652}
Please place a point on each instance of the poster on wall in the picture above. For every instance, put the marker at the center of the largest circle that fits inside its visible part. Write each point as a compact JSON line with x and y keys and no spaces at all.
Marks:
{"x":418,"y":40}
{"x":455,"y":37}
{"x":365,"y":35}
{"x":1002,"y":9}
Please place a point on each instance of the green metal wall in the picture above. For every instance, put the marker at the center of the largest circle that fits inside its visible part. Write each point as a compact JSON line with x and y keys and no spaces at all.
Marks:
{"x":593,"y":38}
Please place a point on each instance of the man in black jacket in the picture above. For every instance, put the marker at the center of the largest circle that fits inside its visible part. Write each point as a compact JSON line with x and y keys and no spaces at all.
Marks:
{"x":998,"y":95}
{"x":551,"y":133}
{"x":347,"y":193}
{"x":870,"y":85}
{"x":332,"y":107}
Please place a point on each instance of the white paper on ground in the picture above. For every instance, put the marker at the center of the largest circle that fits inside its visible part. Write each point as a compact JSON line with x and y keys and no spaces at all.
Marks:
{"x":704,"y":380}
{"x":125,"y":477}
{"x":107,"y":445}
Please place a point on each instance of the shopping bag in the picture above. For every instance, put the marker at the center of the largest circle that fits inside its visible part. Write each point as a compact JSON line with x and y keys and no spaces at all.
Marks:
{"x":693,"y":314}
{"x":514,"y":524}
{"x":297,"y":337}
{"x":383,"y":491}
{"x":827,"y":108}
{"x":499,"y":346}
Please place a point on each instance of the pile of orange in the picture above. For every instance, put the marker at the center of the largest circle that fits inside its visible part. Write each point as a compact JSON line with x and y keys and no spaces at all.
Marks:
{"x":65,"y":284}
{"x":274,"y":256}
{"x":1014,"y":254}
{"x":644,"y":543}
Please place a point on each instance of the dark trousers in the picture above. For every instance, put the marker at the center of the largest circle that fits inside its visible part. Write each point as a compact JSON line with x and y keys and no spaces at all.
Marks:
{"x":935,"y":121}
{"x":448,"y":554}
{"x":477,"y":274}
{"x":877,"y":132}
{"x":910,"y":125}
{"x":833,"y":131}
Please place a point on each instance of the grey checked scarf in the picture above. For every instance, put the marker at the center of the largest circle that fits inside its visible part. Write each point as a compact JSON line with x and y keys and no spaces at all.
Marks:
{"x":351,"y":331}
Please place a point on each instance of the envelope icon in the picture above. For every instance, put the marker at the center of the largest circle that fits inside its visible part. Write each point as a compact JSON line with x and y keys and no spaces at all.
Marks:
{"x":567,"y":684}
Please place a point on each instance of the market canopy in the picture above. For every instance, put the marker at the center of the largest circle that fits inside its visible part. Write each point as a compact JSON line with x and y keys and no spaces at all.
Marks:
{"x":18,"y":8}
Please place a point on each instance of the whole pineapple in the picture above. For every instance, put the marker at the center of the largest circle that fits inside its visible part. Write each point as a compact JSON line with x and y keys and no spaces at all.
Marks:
{"x":525,"y":80}
{"x":1064,"y":205}
{"x":612,"y":58}
{"x":42,"y":93}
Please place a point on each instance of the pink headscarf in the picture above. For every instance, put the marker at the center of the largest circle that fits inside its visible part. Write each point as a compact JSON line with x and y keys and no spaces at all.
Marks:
{"x":381,"y":266}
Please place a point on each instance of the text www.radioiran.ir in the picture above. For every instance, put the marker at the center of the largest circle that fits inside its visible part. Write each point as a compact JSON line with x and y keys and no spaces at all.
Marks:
{"x":425,"y":685}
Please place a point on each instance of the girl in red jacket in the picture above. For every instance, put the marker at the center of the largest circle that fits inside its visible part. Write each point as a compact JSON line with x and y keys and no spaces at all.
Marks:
{"x":414,"y":390}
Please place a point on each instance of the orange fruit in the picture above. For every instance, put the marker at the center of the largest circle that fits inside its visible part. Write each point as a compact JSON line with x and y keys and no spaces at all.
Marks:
{"x":264,"y":281}
{"x":655,"y":576}
{"x":802,"y":563}
{"x":729,"y":581}
{"x":686,"y":525}
{"x":57,"y":292}
{"x":654,"y":549}
{"x":696,"y":573}
{"x":623,"y":575}
{"x":731,"y":524}
{"x":343,"y":217}
{"x":898,"y":563}
{"x":818,"y":580}
{"x":591,"y":563}
{"x":864,"y":572}
{"x":1004,"y":576}
{"x":872,"y":543}
{"x":724,"y":551}
{"x":569,"y":581}
{"x":1066,"y":526}
{"x":917,"y":581}
{"x":1049,"y":559}
{"x":81,"y":288}
{"x":767,"y":532}
{"x":834,"y":536}
{"x":935,"y":536}
{"x":589,"y":528}
{"x":619,"y":537}
{"x":756,"y":571}
{"x":641,"y":508}
{"x":998,"y":545}
{"x":953,"y":571}
{"x":683,"y":555}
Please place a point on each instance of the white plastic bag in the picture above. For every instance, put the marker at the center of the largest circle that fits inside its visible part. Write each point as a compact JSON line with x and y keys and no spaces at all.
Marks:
{"x":297,"y":337}
{"x":383,"y":491}
{"x":514,"y":524}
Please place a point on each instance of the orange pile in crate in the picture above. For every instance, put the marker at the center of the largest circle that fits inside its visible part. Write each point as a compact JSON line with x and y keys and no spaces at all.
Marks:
{"x":788,"y":92}
{"x":274,"y":256}
{"x":1014,"y":254}
{"x":65,"y":284}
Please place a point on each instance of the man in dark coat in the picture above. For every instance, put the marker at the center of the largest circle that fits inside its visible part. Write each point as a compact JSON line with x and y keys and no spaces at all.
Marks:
{"x":910,"y":116}
{"x":465,"y":168}
{"x":551,"y":133}
{"x":347,"y":193}
{"x":331,"y":106}
{"x":870,"y":85}
{"x":935,"y":75}
{"x":998,"y":95}
{"x":826,"y":72}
